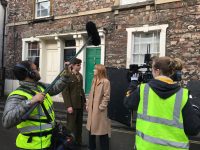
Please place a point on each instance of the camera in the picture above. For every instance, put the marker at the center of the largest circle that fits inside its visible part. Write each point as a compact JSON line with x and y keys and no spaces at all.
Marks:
{"x":143,"y":72}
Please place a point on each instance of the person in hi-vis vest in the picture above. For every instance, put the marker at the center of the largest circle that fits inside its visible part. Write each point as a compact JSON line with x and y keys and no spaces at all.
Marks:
{"x":36,"y":131}
{"x":165,"y":116}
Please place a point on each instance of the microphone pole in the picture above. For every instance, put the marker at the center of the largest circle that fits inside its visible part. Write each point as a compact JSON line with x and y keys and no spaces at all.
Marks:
{"x":94,"y":37}
{"x":26,"y":115}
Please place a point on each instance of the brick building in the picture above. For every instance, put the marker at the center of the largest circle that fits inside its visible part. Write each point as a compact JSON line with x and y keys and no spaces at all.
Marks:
{"x":53,"y":30}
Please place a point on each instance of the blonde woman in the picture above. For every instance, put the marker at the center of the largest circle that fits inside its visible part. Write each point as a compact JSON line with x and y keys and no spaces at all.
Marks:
{"x":98,"y":123}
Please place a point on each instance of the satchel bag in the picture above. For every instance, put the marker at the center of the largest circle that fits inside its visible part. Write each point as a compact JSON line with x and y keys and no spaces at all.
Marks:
{"x":62,"y":139}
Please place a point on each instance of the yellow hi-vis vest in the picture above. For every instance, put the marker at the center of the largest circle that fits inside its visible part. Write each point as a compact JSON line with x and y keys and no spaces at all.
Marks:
{"x":159,"y":123}
{"x":27,"y":127}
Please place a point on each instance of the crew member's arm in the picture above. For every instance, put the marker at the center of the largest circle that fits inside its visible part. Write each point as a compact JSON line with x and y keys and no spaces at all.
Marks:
{"x":191,"y":119}
{"x":132,"y":98}
{"x":106,"y":95}
{"x":60,"y":84}
{"x":16,"y":106}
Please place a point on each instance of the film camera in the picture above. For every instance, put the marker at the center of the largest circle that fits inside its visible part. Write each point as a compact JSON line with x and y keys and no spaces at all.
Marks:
{"x":144,"y":71}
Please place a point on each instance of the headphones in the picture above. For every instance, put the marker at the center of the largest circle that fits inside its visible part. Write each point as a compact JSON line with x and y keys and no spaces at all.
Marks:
{"x":29,"y":73}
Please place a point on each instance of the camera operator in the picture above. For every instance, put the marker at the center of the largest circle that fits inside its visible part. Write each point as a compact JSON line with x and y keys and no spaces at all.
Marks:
{"x":165,"y":116}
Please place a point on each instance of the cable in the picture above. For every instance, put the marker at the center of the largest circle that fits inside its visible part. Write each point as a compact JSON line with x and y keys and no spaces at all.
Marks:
{"x":40,"y":127}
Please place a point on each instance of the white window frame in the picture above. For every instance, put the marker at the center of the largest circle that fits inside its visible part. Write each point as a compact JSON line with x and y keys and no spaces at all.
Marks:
{"x":31,"y":49}
{"x":126,"y":2}
{"x":69,"y":47}
{"x":43,"y":1}
{"x":25,"y":42}
{"x":145,"y":28}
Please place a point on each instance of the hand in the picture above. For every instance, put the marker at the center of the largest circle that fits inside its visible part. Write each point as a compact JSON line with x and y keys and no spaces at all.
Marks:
{"x":86,"y":108}
{"x":70,"y":110}
{"x":39,"y":97}
{"x":134,"y":77}
{"x":67,"y":65}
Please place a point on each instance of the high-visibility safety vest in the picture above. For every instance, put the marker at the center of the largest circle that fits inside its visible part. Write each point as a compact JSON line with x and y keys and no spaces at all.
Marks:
{"x":33,"y":132}
{"x":159,"y":123}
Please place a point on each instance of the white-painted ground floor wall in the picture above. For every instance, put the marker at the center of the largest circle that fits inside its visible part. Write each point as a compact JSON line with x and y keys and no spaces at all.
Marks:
{"x":51,"y":57}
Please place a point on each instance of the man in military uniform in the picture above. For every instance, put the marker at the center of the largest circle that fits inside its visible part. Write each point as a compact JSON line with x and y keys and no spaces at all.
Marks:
{"x":74,"y":99}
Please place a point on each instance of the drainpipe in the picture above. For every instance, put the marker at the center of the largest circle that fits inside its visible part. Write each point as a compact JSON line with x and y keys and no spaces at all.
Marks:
{"x":4,"y":3}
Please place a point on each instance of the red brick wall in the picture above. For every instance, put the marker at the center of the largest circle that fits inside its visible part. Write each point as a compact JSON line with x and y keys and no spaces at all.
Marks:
{"x":22,"y":10}
{"x":183,"y":33}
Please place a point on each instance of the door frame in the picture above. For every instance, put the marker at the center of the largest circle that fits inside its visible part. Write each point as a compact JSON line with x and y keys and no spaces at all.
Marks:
{"x":80,"y":41}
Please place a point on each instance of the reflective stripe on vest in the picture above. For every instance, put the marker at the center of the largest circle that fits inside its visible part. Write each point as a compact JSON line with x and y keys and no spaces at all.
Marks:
{"x":35,"y":128}
{"x":26,"y":126}
{"x":177,"y":108}
{"x":146,"y":122}
{"x":162,"y":141}
{"x":31,"y":126}
{"x":50,"y":110}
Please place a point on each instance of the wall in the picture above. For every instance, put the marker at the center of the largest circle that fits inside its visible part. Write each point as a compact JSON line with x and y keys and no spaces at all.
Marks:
{"x":183,"y":36}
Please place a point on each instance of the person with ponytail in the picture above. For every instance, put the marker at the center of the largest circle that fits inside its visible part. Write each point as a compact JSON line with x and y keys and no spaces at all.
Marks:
{"x":165,"y":116}
{"x":98,"y":123}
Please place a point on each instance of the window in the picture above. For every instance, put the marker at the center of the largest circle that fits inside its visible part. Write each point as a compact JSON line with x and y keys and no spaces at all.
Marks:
{"x":34,"y":52}
{"x":126,"y":2}
{"x":42,"y":8}
{"x":69,"y":50}
{"x":141,"y":41}
{"x":140,"y":38}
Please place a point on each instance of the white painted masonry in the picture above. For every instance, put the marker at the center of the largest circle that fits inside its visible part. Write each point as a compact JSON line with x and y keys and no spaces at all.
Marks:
{"x":145,"y":28}
{"x":51,"y":56}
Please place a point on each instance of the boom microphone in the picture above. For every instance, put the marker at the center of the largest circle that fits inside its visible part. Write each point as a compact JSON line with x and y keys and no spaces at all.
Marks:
{"x":94,"y":37}
{"x":93,"y":33}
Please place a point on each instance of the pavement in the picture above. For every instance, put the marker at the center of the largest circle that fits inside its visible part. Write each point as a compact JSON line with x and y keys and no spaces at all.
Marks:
{"x":120,"y":140}
{"x":122,"y":137}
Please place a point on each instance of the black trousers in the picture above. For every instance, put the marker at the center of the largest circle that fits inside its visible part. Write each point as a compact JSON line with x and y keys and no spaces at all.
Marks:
{"x":104,"y":142}
{"x":74,"y":124}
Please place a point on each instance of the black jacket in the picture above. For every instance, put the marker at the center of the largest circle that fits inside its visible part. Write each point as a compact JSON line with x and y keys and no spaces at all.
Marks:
{"x":191,"y":120}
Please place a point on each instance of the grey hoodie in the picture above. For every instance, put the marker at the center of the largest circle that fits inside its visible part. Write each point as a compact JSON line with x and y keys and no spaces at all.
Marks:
{"x":16,"y":105}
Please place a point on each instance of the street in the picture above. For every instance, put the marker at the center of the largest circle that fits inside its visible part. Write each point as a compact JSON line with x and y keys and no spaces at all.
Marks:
{"x":120,"y":139}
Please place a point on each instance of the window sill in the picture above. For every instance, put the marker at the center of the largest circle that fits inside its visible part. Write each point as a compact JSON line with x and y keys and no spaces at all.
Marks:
{"x":130,"y":6}
{"x":40,"y":20}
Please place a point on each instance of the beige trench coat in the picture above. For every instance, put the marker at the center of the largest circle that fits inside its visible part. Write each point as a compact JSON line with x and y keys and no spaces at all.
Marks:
{"x":97,"y":121}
